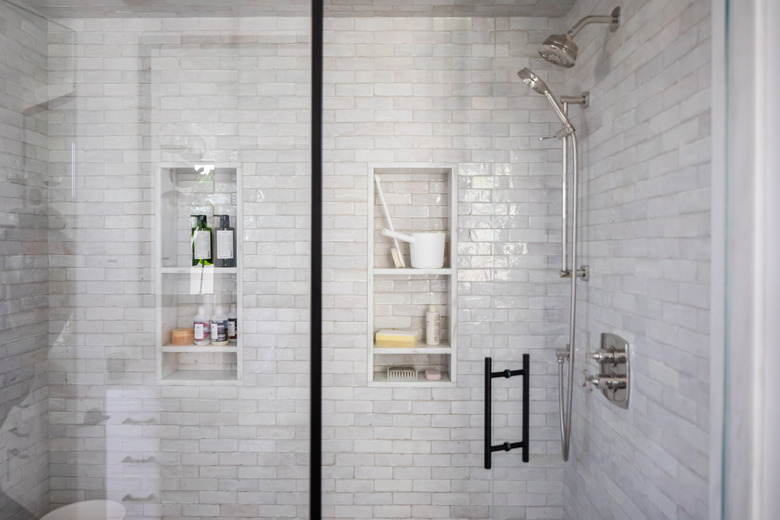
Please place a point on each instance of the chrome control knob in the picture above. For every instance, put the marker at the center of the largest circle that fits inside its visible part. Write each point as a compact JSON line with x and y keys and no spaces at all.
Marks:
{"x":606,"y":382}
{"x":587,"y":385}
{"x":607,"y":356}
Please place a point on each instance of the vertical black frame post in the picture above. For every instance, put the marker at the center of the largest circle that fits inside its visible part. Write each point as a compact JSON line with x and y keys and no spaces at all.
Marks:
{"x":315,"y":325}
{"x":488,"y":411}
{"x":526,"y":404}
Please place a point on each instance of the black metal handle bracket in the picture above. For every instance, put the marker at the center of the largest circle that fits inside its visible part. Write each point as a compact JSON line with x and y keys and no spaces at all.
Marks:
{"x":507,"y":446}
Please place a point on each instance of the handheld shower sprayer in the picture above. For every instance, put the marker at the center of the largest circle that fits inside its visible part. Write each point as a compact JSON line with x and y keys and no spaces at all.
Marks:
{"x":567,"y":136}
{"x":533,"y":81}
{"x":560,"y":49}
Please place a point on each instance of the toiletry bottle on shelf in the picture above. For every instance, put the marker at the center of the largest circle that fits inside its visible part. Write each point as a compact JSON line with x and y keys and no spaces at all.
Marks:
{"x":219,"y":328}
{"x":232,"y":325}
{"x":201,"y":327}
{"x":194,"y":219}
{"x":201,"y":243}
{"x":432,"y":326}
{"x":224,"y":243}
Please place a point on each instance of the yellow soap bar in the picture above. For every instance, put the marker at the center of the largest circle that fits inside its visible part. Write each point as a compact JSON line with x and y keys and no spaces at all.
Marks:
{"x":397,"y":338}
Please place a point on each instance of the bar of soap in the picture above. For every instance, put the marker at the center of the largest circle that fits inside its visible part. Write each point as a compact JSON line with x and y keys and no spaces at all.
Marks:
{"x":182,"y":336}
{"x":432,"y":374}
{"x":389,"y":338}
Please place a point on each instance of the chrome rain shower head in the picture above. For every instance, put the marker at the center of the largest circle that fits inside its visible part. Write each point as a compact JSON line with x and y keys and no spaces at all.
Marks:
{"x":536,"y":83}
{"x":560,"y":49}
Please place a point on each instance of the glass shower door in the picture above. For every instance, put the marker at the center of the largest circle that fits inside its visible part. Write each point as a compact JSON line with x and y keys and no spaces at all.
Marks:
{"x":136,"y":121}
{"x":411,"y":94}
{"x":24,"y":282}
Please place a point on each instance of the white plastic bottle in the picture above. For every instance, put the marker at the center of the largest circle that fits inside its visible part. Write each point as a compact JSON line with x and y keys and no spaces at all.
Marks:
{"x":219,"y":328}
{"x":201,"y":327}
{"x":432,"y":326}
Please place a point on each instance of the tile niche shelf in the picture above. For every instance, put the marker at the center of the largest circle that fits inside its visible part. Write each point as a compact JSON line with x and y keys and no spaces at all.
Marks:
{"x":182,"y":191}
{"x":420,"y":198}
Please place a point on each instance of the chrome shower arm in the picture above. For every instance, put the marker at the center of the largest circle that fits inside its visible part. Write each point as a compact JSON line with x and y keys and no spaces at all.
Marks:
{"x":587,"y":21}
{"x":613,"y":19}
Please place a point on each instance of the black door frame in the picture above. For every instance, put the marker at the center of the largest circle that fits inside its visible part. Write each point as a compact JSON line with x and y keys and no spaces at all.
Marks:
{"x":315,"y":433}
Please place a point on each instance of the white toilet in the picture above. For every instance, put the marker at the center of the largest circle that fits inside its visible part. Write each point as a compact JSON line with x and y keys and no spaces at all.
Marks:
{"x":88,"y":510}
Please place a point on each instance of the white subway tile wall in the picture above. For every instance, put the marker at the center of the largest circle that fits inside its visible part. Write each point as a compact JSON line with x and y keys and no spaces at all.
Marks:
{"x":24,"y":455}
{"x":441,"y":90}
{"x":646,"y":185}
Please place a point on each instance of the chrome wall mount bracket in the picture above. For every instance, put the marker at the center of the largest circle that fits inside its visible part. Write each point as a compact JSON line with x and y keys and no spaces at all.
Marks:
{"x":614,"y":377}
{"x":583,"y":99}
{"x":583,"y":272}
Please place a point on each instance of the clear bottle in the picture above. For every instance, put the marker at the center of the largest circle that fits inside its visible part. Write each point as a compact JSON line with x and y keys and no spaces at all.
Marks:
{"x":432,"y":326}
{"x":202,"y":242}
{"x":201,"y":327}
{"x":219,"y":328}
{"x":224,"y":243}
{"x":232,"y":325}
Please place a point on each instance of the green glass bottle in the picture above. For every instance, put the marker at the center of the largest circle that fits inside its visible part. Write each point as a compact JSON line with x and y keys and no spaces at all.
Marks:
{"x":202,"y":241}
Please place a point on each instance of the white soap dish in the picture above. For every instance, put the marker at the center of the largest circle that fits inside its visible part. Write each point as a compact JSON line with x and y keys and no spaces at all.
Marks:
{"x":432,"y":374}
{"x":401,"y":374}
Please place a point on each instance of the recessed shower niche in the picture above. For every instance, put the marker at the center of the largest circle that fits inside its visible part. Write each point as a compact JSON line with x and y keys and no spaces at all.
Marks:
{"x":197,"y":201}
{"x":413,"y":200}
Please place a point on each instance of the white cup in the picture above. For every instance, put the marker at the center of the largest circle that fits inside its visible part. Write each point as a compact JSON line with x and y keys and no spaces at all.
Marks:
{"x":426,"y":249}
